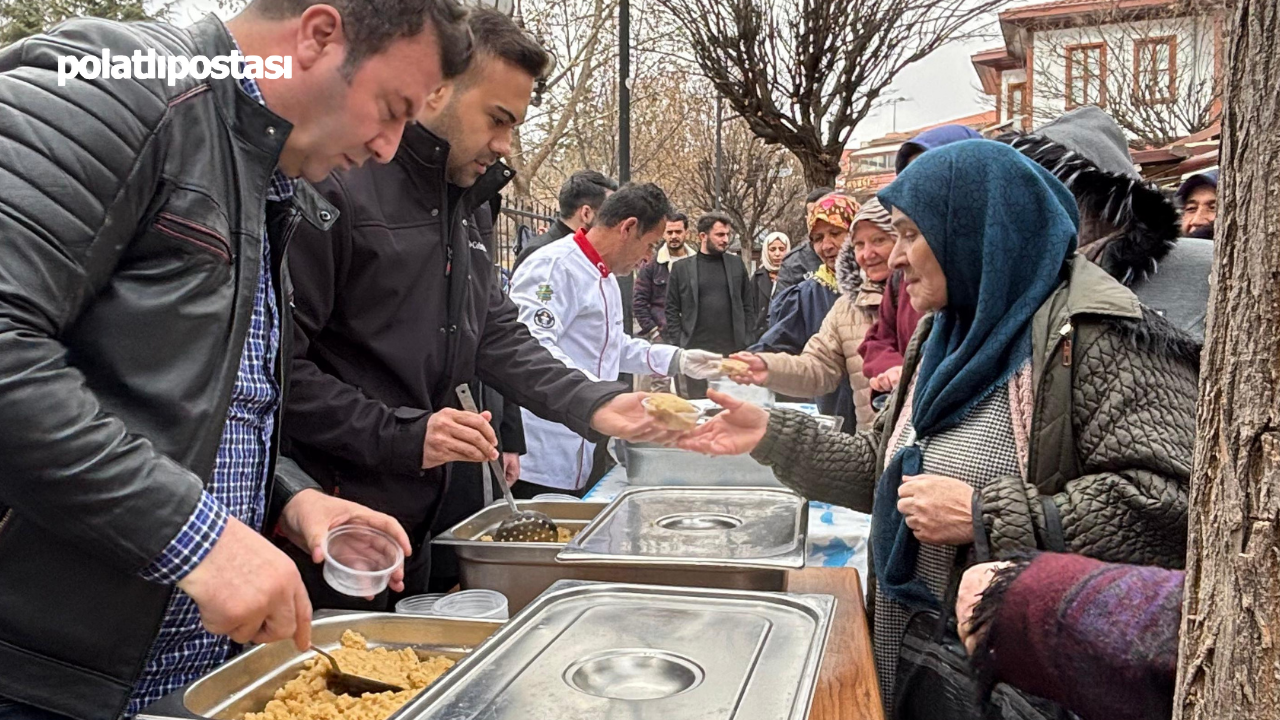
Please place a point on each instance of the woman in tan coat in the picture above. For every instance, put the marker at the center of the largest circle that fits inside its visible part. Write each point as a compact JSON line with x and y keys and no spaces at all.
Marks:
{"x":832,"y":354}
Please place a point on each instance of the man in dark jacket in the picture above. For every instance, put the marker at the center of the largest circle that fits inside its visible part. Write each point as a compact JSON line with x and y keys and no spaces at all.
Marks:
{"x":142,"y":286}
{"x":650,"y":300}
{"x":802,"y":261}
{"x":580,"y":199}
{"x":709,"y":300}
{"x":399,"y":303}
{"x":1127,"y":226}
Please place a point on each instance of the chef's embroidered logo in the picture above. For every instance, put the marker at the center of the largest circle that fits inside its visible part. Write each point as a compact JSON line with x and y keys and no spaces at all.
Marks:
{"x":543,"y":293}
{"x":544,"y":319}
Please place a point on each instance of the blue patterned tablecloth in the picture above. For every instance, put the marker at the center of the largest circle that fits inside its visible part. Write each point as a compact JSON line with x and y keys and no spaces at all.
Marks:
{"x":837,"y":535}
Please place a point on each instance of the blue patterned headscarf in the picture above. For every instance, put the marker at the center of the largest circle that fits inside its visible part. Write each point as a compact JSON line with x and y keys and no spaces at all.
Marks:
{"x":1002,"y":228}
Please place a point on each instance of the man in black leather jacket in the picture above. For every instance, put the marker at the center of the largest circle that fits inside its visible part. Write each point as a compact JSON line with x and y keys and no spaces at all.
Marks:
{"x":143,"y":228}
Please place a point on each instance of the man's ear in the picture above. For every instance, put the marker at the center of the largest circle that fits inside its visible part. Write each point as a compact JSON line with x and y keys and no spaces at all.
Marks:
{"x":320,"y":33}
{"x":436,"y":101}
{"x":587,"y":214}
{"x":630,"y":228}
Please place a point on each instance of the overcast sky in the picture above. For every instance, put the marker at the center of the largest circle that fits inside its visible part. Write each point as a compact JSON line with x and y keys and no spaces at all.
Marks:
{"x":940,"y":87}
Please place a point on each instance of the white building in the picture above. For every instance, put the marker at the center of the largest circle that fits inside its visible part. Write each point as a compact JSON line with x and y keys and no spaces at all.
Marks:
{"x":1152,"y":64}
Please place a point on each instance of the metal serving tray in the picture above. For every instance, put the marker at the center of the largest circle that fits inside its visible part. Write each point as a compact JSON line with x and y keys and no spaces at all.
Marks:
{"x":651,"y":465}
{"x":522,"y":571}
{"x":697,"y":526}
{"x":246,"y":683}
{"x":587,"y":651}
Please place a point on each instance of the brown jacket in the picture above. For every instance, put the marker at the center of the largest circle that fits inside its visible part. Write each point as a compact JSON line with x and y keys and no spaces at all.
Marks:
{"x":832,"y":353}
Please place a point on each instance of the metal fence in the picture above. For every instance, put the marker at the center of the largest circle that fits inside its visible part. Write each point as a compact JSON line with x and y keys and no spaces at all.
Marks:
{"x":520,"y":221}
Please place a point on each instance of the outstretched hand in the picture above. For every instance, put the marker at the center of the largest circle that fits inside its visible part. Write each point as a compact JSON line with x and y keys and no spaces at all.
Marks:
{"x":624,"y":417}
{"x":757,"y":372}
{"x":737,"y":430}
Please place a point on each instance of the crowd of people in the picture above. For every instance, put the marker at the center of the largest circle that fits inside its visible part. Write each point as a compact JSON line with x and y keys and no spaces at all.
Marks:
{"x":224,"y":332}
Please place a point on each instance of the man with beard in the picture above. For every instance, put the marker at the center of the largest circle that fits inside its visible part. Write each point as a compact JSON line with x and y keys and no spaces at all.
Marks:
{"x":709,"y":300}
{"x":1198,"y":201}
{"x":398,"y":304}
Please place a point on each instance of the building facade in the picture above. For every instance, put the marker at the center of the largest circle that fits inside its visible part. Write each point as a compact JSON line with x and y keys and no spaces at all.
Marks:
{"x":1153,"y":65}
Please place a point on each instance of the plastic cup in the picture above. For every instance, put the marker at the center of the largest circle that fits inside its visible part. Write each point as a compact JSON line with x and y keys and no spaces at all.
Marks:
{"x":418,"y":604}
{"x":556,"y":497}
{"x":359,"y":560}
{"x":475,"y":604}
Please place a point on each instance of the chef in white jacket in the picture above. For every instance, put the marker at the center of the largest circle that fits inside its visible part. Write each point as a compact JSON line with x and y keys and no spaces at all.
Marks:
{"x":568,"y":297}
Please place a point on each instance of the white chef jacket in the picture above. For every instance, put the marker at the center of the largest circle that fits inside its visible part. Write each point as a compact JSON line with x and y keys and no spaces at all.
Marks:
{"x":572,"y":305}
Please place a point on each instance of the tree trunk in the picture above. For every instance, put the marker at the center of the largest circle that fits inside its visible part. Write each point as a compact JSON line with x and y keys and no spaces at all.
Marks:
{"x":817,"y":172}
{"x":1229,"y":666}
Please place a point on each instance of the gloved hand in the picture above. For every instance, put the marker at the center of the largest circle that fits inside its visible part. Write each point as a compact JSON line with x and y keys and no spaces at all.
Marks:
{"x":700,"y":364}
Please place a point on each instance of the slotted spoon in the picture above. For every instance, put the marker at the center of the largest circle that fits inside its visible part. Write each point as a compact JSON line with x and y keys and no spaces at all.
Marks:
{"x":523,"y":525}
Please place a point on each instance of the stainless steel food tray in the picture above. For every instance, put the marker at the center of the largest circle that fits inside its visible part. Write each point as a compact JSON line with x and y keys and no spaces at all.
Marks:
{"x":653,"y":465}
{"x":697,"y":526}
{"x":585,"y":651}
{"x":246,"y":683}
{"x":522,"y":571}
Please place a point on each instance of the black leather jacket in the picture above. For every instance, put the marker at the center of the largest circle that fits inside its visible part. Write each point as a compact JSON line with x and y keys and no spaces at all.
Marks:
{"x":131,"y":214}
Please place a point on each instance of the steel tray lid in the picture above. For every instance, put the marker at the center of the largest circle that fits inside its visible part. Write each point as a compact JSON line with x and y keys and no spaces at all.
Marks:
{"x":607,"y":650}
{"x":741,"y":527}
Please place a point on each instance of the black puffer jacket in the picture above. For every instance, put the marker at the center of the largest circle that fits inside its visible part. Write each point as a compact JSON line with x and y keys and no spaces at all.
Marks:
{"x":131,"y":214}
{"x":1111,"y":435}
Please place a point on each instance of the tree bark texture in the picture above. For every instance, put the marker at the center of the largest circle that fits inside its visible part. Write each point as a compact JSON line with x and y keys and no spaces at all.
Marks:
{"x":1229,"y":665}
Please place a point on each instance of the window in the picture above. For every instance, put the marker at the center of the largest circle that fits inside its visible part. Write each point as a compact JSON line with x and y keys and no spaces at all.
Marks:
{"x":1155,"y":70}
{"x":1086,"y":75}
{"x":1017,"y":104}
{"x":872,"y":163}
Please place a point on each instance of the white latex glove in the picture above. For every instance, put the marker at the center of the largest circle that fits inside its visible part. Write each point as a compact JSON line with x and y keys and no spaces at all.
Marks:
{"x":700,"y":364}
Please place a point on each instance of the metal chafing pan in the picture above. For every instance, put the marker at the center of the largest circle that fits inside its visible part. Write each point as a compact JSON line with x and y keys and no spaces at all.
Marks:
{"x":522,"y":571}
{"x":656,"y":465}
{"x":584,"y":651}
{"x":246,"y":683}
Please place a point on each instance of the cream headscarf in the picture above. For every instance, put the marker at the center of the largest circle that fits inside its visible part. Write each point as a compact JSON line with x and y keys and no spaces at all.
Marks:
{"x":764,"y":256}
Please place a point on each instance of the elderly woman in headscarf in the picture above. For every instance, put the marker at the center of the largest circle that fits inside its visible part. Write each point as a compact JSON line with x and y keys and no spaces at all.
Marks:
{"x":765,"y":278}
{"x":1041,"y":405}
{"x":831,"y":355}
{"x":797,"y":313}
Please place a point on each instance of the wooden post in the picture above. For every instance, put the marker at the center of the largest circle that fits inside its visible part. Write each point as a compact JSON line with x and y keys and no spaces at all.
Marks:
{"x":1229,"y":665}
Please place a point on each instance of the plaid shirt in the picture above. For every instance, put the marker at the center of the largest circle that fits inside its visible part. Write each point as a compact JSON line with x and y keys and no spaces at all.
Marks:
{"x":184,"y":650}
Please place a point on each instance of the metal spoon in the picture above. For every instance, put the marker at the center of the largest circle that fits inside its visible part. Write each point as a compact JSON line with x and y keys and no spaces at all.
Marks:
{"x":523,"y":525}
{"x":355,"y":685}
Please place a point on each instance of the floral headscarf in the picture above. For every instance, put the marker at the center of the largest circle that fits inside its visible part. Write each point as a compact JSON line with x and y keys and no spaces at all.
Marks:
{"x":835,"y":208}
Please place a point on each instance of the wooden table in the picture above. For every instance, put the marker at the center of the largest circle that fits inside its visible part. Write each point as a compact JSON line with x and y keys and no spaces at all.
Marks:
{"x":847,"y":688}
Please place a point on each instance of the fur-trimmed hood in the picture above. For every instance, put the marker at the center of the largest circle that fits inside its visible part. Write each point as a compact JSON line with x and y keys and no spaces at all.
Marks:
{"x":1087,"y":151}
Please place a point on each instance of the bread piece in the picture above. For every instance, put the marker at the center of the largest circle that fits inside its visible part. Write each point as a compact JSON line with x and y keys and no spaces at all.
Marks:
{"x":673,"y":411}
{"x":733,"y":368}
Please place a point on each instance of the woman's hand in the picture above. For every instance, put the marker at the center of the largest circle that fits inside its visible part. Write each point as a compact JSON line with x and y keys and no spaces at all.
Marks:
{"x":757,"y":372}
{"x":975,"y":582}
{"x":737,"y":430}
{"x":887,"y":380}
{"x":938,"y":509}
